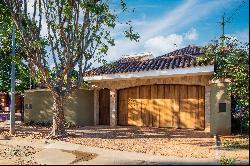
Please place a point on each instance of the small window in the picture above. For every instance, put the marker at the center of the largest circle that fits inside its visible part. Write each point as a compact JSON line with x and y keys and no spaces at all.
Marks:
{"x":222,"y":107}
{"x":30,"y":106}
{"x":26,"y":106}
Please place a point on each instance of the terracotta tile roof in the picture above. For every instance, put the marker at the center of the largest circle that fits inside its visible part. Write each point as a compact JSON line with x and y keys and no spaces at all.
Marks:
{"x":182,"y":58}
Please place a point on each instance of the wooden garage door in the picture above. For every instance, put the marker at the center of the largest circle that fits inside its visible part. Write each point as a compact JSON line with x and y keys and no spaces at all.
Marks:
{"x":178,"y":106}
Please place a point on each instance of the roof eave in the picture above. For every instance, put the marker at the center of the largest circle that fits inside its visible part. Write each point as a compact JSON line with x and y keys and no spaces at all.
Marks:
{"x":197,"y":70}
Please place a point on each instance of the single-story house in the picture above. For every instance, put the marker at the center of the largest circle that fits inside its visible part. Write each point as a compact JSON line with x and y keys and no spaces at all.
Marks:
{"x":173,"y":90}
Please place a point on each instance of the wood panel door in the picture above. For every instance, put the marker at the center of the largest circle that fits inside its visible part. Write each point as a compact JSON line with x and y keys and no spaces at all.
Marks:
{"x":174,"y":95}
{"x":192,"y":107}
{"x":192,"y":100}
{"x":145,"y":94}
{"x":178,"y":106}
{"x":134,"y":107}
{"x":169,"y":115}
{"x":183,"y":106}
{"x":154,"y":106}
{"x":200,"y":123}
{"x":123,"y":107}
{"x":104,"y":107}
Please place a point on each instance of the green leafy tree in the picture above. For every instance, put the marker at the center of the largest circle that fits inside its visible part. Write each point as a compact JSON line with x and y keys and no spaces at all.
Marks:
{"x":22,"y":70}
{"x":78,"y":32}
{"x":22,"y":75}
{"x":232,"y":62}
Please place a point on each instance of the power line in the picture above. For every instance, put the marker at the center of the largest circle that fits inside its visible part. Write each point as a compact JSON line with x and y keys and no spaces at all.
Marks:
{"x":224,"y":21}
{"x":234,"y":12}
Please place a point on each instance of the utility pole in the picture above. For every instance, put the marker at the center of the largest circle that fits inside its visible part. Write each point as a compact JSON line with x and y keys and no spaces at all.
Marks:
{"x":222,"y":37}
{"x":12,"y":104}
{"x":223,"y":29}
{"x":224,"y":22}
{"x":30,"y":66}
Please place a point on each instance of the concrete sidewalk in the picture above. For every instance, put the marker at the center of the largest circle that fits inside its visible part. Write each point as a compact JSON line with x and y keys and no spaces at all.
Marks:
{"x":52,"y":155}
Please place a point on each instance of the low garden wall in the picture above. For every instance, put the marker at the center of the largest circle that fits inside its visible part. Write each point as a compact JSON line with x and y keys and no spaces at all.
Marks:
{"x":78,"y":110}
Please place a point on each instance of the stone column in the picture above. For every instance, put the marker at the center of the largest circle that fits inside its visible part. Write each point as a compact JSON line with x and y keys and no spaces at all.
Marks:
{"x":96,"y":107}
{"x":207,"y":108}
{"x":113,"y":107}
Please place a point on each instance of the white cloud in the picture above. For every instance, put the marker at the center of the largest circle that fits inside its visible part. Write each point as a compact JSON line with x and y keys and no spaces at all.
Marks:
{"x":163,"y":44}
{"x":191,"y":35}
{"x":170,"y":19}
{"x":243,"y":36}
{"x":179,"y":17}
{"x":123,"y":46}
{"x":161,"y":28}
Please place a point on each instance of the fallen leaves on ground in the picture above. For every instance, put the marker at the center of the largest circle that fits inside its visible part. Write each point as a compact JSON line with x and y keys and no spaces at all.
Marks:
{"x":18,"y":154}
{"x":160,"y":141}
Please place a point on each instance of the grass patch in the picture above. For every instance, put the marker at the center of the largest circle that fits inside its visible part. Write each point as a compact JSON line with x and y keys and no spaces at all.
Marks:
{"x":239,"y":143}
{"x":227,"y":161}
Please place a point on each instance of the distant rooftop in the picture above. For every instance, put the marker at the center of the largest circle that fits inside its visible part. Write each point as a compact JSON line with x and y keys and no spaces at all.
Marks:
{"x":136,"y":57}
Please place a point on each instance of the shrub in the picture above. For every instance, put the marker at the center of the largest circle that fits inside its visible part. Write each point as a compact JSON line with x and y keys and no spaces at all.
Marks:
{"x":227,"y":161}
{"x":246,"y":126}
{"x":236,"y":143}
{"x":41,"y":123}
{"x":45,"y":123}
{"x":68,"y":124}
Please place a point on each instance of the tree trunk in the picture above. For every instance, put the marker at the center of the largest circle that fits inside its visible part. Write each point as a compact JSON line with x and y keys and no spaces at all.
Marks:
{"x":241,"y":126}
{"x":58,"y":117}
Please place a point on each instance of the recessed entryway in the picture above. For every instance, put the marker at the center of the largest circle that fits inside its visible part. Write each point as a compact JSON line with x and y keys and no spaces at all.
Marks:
{"x":104,"y":106}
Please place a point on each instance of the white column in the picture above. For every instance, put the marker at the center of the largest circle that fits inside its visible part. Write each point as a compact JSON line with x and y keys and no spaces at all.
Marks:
{"x":96,"y":107}
{"x":113,"y":107}
{"x":207,"y":107}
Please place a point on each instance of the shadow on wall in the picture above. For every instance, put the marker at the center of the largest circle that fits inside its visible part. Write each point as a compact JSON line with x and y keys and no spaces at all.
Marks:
{"x":161,"y":112}
{"x":38,"y":106}
{"x":178,"y":106}
{"x":78,"y":107}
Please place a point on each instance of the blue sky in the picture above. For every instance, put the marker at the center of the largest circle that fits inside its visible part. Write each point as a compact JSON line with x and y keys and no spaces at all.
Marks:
{"x":165,"y":25}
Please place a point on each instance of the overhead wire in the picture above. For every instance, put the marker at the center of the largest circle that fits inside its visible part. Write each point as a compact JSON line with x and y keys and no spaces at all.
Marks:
{"x":235,"y":10}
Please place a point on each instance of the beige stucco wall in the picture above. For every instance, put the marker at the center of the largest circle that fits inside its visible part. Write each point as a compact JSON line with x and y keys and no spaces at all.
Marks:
{"x":180,"y":79}
{"x":113,"y":107}
{"x":96,"y":107}
{"x":207,"y":107}
{"x":220,"y":121}
{"x":79,"y":108}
